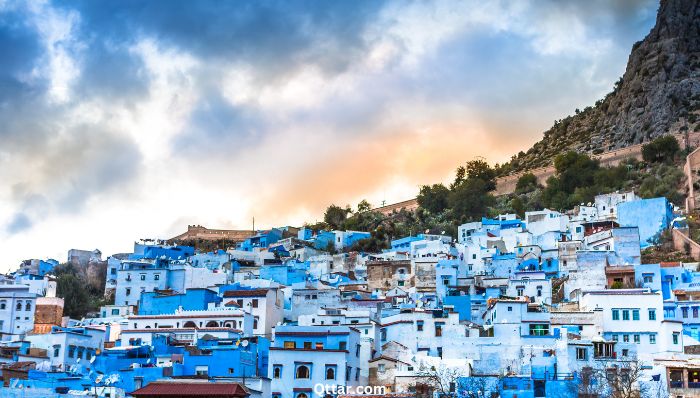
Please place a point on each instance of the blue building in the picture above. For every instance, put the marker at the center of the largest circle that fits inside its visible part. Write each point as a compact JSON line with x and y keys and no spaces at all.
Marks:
{"x":304,"y":356}
{"x":157,"y":303}
{"x":651,"y":216}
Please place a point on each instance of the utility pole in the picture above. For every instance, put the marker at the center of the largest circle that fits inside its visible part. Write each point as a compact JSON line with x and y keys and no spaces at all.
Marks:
{"x":253,"y":224}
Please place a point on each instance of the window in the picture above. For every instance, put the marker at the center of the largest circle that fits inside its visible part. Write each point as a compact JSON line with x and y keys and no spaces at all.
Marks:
{"x":290,"y":344}
{"x":695,"y":312}
{"x":635,"y":315}
{"x":56,"y":350}
{"x":581,"y":354}
{"x":614,"y":337}
{"x":71,"y":351}
{"x":319,"y":346}
{"x":439,"y":352}
{"x":357,"y":350}
{"x":3,"y":304}
{"x":616,"y":315}
{"x":539,"y":329}
{"x":626,"y":338}
{"x":652,"y":338}
{"x":81,"y":350}
{"x":438,"y":329}
{"x":419,"y":326}
{"x":510,"y":308}
{"x":330,"y":372}
{"x":307,"y":345}
{"x":128,"y":291}
{"x":255,"y":323}
{"x":381,"y":368}
{"x":201,"y":370}
{"x":143,"y":277}
{"x":115,"y":311}
{"x":255,"y":303}
{"x":625,"y":352}
{"x":684,"y":311}
{"x":539,"y":291}
{"x":400,"y":283}
{"x":277,"y":372}
{"x":156,"y":277}
{"x":675,"y":338}
{"x":343,"y":345}
{"x":19,"y":306}
{"x":636,"y":338}
{"x":625,"y":315}
{"x":302,"y":372}
{"x":230,"y":371}
{"x":520,"y":291}
{"x":382,"y":334}
{"x":652,"y":314}
{"x":648,"y":278}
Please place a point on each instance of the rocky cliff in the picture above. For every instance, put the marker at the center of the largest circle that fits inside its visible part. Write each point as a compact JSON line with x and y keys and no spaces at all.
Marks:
{"x":658,"y":94}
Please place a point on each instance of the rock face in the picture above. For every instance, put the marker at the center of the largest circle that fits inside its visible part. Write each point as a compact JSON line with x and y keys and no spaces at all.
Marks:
{"x":658,"y":94}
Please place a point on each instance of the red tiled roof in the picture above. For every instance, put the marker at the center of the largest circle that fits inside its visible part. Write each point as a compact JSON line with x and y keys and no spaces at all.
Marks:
{"x":192,"y":389}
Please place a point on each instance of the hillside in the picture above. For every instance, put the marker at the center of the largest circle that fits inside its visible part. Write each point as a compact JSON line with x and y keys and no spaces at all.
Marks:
{"x":659,"y":93}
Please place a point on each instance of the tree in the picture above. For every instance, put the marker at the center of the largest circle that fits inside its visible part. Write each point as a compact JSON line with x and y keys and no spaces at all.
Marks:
{"x":75,"y":295}
{"x":460,"y":175}
{"x":526,"y":183}
{"x":575,"y":170}
{"x":335,"y":216}
{"x":518,"y":207}
{"x":478,"y":168}
{"x":621,"y":379}
{"x":442,"y":380}
{"x":470,"y":200}
{"x":364,"y":206}
{"x":433,"y":198}
{"x":662,"y":149}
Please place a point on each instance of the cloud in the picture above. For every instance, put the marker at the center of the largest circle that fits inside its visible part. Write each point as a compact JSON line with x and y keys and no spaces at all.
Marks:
{"x":142,"y":117}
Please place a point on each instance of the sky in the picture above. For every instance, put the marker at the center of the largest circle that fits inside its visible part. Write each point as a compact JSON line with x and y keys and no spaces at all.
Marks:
{"x":122,"y":120}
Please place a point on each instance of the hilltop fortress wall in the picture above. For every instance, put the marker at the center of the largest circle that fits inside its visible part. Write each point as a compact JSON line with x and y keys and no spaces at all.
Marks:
{"x":506,"y":185}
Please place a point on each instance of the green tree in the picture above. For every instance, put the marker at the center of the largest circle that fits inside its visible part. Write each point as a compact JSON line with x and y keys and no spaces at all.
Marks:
{"x":518,"y":206}
{"x":662,"y":149}
{"x":433,"y":197}
{"x":335,"y":216}
{"x":478,"y":168}
{"x":575,"y":170}
{"x":470,"y":200}
{"x":526,"y":183}
{"x":72,"y":289}
{"x":363,"y":206}
{"x":460,"y":175}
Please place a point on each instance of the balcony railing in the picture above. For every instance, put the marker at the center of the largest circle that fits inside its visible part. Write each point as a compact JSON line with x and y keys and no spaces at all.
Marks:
{"x":676,"y":384}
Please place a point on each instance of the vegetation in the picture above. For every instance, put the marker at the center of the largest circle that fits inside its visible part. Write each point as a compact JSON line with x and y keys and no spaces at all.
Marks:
{"x":79,"y":296}
{"x":662,"y":149}
{"x":578,"y":179}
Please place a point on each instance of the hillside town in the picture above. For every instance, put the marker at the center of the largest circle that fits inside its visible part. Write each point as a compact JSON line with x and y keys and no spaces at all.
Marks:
{"x":550,"y":304}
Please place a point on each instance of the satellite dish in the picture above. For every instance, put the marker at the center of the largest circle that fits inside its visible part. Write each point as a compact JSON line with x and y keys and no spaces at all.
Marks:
{"x":92,"y":360}
{"x":245,"y":343}
{"x":99,"y":378}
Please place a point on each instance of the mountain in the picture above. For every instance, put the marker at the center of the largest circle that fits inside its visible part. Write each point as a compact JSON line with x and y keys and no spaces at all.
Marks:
{"x":658,"y":94}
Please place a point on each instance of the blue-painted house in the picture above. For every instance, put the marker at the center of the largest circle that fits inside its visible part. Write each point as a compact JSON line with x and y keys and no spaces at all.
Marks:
{"x":157,"y":303}
{"x":651,"y":216}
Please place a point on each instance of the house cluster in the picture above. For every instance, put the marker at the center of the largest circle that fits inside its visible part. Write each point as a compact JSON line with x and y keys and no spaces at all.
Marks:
{"x":553,"y":304}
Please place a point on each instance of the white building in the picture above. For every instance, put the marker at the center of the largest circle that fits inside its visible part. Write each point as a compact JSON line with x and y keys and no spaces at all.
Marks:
{"x":17,"y":306}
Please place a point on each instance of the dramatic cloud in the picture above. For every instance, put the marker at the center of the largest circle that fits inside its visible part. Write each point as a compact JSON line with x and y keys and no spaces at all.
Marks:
{"x":123,"y":119}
